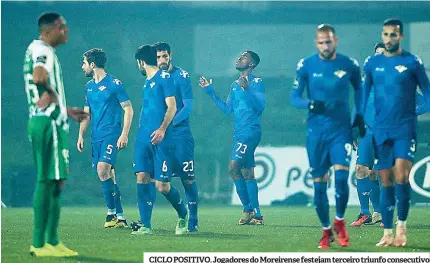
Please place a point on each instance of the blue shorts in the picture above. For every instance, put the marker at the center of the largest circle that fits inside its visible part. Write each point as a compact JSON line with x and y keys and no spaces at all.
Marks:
{"x":391,"y":144}
{"x":243,"y":150}
{"x":155,"y":160}
{"x":183,"y":157}
{"x":104,"y":151}
{"x":366,"y":150}
{"x":328,"y":148}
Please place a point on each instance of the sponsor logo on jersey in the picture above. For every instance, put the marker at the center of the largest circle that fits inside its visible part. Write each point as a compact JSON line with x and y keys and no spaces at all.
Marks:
{"x":102,"y":88}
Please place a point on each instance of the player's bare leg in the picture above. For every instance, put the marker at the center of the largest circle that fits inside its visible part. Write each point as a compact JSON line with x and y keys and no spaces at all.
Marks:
{"x":387,"y":207}
{"x":402,"y":168}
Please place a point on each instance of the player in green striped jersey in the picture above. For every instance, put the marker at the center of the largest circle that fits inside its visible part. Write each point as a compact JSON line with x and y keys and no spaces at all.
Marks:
{"x":48,"y":130}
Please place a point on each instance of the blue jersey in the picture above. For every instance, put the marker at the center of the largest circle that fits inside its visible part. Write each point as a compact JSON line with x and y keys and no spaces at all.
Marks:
{"x":104,"y":100}
{"x":328,"y":81}
{"x":184,"y":94}
{"x":154,"y":94}
{"x":246,"y":105}
{"x":394,"y":81}
{"x":369,"y":116}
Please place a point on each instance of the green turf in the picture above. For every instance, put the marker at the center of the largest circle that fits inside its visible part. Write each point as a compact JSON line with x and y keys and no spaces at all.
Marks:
{"x":286,"y":229}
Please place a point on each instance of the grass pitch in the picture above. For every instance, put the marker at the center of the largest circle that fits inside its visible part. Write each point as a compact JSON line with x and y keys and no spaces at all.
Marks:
{"x":286,"y":229}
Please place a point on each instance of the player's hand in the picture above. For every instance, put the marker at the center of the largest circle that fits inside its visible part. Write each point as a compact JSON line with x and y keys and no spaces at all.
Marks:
{"x":122,"y":142}
{"x":157,"y":136}
{"x":77,"y":114}
{"x":203,"y":82}
{"x":80,"y":144}
{"x":243,"y":83}
{"x":316,"y":106}
{"x":359,"y":123}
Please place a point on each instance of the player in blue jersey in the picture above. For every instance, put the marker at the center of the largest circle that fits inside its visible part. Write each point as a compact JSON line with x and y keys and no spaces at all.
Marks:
{"x":247,"y":102}
{"x":154,"y":148}
{"x":183,"y":139}
{"x":327,"y":77}
{"x":107,"y":100}
{"x":367,"y":181}
{"x":394,"y":76}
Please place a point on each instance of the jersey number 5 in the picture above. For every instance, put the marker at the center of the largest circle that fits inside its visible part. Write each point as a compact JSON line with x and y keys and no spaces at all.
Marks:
{"x":109,"y":149}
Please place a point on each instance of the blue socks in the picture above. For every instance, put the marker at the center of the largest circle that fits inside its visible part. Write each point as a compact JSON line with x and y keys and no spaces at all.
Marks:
{"x":192,"y":195}
{"x":364,"y":189}
{"x":342,"y":191}
{"x":321,"y":202}
{"x":252,"y":189}
{"x":375,"y":196}
{"x":118,"y":206}
{"x":108,"y":192}
{"x":242,"y":192}
{"x":145,"y":202}
{"x":403,"y":196}
{"x":175,"y":199}
{"x":387,"y":206}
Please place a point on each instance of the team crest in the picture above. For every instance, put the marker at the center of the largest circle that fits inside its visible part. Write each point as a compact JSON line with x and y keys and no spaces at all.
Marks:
{"x":102,"y":88}
{"x":184,"y":74}
{"x":117,"y":81}
{"x":340,"y":73}
{"x":164,"y":74}
{"x":400,"y":68}
{"x":256,"y":80}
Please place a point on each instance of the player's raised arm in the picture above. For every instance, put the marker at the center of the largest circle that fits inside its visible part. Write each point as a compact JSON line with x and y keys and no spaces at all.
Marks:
{"x":299,"y":85}
{"x":423,"y":81}
{"x":225,"y":106}
{"x":187,"y":99}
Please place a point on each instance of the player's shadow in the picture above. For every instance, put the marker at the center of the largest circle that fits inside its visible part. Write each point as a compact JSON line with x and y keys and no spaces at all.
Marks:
{"x":201,"y":234}
{"x":96,"y":260}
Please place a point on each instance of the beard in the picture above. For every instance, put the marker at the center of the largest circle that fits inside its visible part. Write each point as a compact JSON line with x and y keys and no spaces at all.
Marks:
{"x":164,"y":66}
{"x":89,"y":74}
{"x":327,"y":55}
{"x":393,"y":48}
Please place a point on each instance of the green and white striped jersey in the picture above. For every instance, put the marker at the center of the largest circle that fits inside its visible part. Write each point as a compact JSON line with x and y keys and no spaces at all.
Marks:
{"x":41,"y":54}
